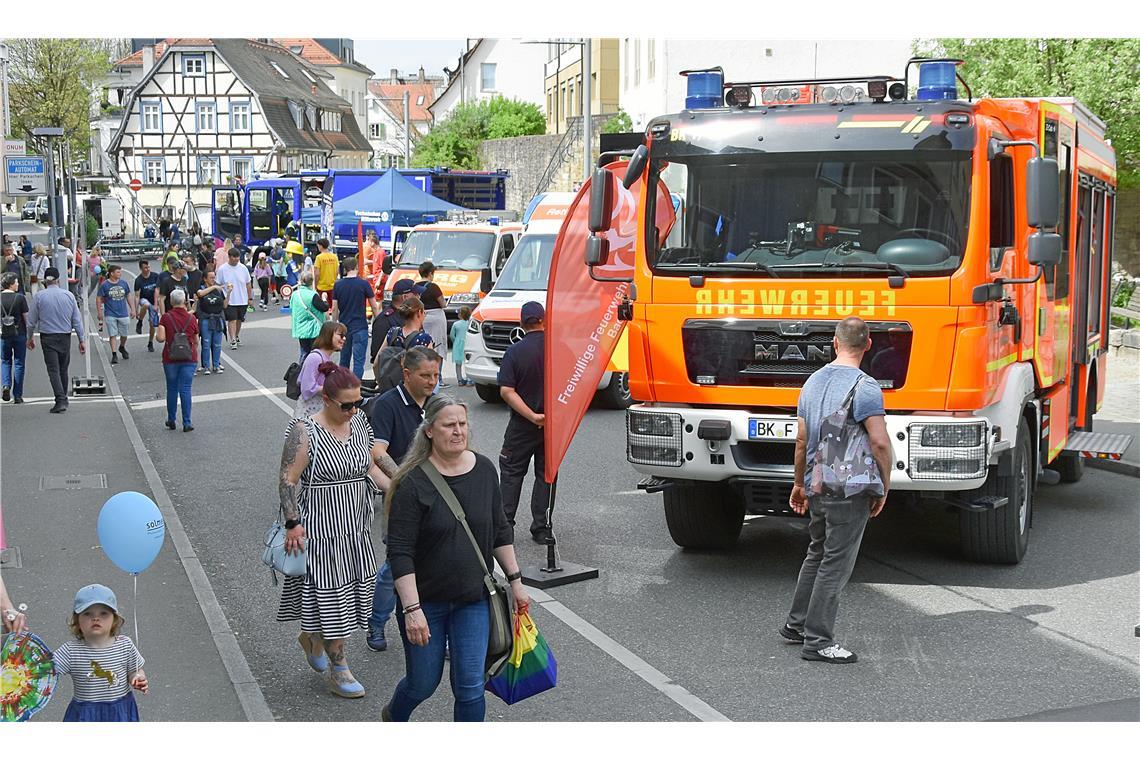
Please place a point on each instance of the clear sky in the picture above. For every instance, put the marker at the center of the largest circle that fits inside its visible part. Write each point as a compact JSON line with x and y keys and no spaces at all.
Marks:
{"x":408,"y":55}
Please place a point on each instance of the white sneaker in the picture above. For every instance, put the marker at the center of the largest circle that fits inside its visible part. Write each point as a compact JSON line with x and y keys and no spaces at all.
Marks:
{"x":206,"y":371}
{"x":233,"y":344}
{"x":833,"y":653}
{"x":219,"y":369}
{"x":238,"y":340}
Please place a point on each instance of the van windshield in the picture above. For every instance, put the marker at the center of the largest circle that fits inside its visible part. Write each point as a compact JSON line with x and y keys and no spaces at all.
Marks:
{"x":448,"y":249}
{"x":528,"y":268}
{"x":820,"y":215}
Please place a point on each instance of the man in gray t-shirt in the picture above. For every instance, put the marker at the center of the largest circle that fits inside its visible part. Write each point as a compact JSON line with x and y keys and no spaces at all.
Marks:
{"x":836,"y":526}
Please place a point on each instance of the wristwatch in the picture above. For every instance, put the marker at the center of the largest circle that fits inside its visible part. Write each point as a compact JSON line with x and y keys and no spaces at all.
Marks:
{"x":290,"y":524}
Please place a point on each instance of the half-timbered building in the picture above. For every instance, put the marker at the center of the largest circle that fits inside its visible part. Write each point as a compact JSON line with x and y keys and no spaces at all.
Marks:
{"x":222,"y":111}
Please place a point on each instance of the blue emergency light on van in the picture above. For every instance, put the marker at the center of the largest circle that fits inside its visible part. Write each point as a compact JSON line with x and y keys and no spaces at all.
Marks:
{"x":493,"y":221}
{"x":937,"y":81}
{"x":705,"y":88}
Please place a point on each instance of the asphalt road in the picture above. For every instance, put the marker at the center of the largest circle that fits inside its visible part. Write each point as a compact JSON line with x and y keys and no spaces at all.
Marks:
{"x":666,"y":634}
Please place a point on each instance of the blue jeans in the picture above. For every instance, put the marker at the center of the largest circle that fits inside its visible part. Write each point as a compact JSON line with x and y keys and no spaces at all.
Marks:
{"x":179,"y":378}
{"x":383,"y":598}
{"x":211,"y":345}
{"x":14,"y":351}
{"x":465,"y":627}
{"x":356,"y":347}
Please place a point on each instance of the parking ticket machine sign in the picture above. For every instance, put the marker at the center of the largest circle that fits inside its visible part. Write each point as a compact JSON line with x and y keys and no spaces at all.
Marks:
{"x":25,"y":175}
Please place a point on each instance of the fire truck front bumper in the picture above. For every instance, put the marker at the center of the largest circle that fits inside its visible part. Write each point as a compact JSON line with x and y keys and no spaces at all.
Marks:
{"x":676,"y":442}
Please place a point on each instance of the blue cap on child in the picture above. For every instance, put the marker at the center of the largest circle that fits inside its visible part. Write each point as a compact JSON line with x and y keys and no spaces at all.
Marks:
{"x":95,"y":594}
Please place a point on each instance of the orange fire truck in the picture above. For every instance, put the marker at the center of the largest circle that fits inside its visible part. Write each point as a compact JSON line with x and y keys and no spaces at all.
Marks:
{"x":973,"y":235}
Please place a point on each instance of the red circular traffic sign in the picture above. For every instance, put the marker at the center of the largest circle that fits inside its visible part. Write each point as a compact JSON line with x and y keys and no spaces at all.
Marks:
{"x":136,"y":184}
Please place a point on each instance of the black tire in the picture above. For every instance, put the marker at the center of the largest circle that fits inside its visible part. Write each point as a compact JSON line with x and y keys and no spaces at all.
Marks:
{"x":489,"y":393}
{"x":616,"y":394}
{"x":704,"y":515}
{"x":1001,"y":535}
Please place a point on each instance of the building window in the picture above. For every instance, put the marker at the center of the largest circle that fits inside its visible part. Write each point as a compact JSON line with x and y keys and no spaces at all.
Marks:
{"x":297,"y":113}
{"x":209,"y":171}
{"x":278,"y":69}
{"x":152,"y":117}
{"x":309,"y":76}
{"x":651,"y":54}
{"x":206,"y":113}
{"x":487,"y":77}
{"x":239,"y":117}
{"x":194,"y":65}
{"x":571,"y":104}
{"x":242,"y":168}
{"x":379,"y":131}
{"x":637,"y":62}
{"x":153,"y":171}
{"x":420,"y":100}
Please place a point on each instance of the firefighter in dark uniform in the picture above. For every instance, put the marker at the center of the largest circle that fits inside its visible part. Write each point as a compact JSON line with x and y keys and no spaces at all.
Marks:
{"x":521,"y":386}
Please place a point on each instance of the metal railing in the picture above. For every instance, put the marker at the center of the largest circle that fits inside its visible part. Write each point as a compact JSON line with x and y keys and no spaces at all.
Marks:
{"x":562,"y":153}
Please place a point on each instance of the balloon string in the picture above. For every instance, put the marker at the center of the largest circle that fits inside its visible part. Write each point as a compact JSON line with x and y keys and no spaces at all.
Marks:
{"x":136,"y":609}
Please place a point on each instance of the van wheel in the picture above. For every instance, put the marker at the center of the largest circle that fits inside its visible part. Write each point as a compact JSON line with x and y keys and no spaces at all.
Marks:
{"x":616,"y":394}
{"x":1002,"y":535}
{"x":489,"y":393}
{"x":703,"y":515}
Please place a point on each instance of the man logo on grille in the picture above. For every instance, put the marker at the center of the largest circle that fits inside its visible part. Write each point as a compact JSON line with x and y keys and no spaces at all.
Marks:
{"x":517,"y":334}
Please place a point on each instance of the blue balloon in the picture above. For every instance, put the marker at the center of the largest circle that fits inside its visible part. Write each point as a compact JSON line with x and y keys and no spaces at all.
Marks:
{"x":131,"y":531}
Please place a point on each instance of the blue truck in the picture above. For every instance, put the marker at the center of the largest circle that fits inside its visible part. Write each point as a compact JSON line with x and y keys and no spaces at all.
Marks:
{"x":333,"y":203}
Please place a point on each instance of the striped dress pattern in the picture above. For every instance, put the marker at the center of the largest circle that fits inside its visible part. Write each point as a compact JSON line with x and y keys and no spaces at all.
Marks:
{"x":335,"y":504}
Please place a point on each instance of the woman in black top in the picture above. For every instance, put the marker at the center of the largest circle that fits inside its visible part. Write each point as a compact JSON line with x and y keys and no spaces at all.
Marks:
{"x":439,"y":580}
{"x":212,"y":302}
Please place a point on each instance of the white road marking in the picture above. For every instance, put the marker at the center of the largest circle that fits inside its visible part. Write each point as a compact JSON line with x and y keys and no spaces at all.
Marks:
{"x":161,"y":403}
{"x":72,"y":400}
{"x":229,"y":360}
{"x":639,"y":667}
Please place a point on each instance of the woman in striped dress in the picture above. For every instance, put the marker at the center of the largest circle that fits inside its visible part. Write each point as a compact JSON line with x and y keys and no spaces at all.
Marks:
{"x":329,"y":478}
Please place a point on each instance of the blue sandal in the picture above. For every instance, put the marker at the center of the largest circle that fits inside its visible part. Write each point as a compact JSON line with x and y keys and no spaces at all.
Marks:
{"x":319,"y":664}
{"x":343,"y":683}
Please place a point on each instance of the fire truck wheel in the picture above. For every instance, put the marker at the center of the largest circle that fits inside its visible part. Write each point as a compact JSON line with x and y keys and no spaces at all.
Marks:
{"x":616,"y":394}
{"x":1002,"y":535}
{"x":489,"y":393}
{"x":704,"y":515}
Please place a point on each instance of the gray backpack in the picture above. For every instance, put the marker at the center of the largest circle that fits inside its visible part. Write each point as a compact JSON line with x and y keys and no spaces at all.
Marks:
{"x":844,"y":466}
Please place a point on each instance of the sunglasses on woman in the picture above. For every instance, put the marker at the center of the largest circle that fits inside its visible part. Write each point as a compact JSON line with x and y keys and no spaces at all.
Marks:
{"x":348,"y":406}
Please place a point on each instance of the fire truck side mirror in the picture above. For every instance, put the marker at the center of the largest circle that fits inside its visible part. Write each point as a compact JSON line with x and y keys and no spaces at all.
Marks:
{"x":1042,"y":192}
{"x":636,"y":166}
{"x":601,"y":201}
{"x":597,"y":251}
{"x":1044,"y":249}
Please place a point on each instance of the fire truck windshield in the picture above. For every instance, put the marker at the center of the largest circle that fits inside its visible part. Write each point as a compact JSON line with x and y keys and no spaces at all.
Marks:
{"x":873,"y":214}
{"x":448,"y":249}
{"x":528,"y":268}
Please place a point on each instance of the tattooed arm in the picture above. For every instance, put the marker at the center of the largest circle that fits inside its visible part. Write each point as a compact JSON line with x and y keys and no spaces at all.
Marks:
{"x":294,"y":460}
{"x":383,"y":459}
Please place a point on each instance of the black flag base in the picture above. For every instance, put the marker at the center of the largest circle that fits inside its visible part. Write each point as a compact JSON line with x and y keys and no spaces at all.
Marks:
{"x":555,"y":573}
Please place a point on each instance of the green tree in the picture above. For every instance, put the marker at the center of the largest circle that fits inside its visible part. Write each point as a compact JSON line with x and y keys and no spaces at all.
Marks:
{"x":1104,"y":74}
{"x":51,"y":83}
{"x":619,"y":122}
{"x":454,"y":142}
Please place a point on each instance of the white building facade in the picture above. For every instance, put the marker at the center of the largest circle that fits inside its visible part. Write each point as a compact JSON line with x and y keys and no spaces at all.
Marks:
{"x":513,"y":68}
{"x":651,"y":84}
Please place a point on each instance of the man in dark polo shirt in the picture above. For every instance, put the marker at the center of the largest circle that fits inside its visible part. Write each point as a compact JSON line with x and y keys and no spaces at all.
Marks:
{"x":521,"y":386}
{"x":394,"y":417}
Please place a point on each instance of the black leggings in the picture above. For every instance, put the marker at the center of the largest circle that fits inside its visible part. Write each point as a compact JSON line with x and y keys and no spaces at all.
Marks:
{"x":263,"y":283}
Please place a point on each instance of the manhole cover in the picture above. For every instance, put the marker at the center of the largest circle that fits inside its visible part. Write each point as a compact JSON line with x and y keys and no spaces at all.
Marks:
{"x":10,"y":558}
{"x":72,"y":482}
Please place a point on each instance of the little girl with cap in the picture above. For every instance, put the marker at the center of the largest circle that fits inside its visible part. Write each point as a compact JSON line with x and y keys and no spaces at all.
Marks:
{"x":103,"y":664}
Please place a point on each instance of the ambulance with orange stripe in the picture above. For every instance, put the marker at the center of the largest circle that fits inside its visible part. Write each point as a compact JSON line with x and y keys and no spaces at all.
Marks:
{"x":496,"y":324}
{"x":468,"y":255}
{"x":974,"y":236}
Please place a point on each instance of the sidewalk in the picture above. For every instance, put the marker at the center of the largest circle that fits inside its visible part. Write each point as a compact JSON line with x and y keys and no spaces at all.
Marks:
{"x":58,"y":549}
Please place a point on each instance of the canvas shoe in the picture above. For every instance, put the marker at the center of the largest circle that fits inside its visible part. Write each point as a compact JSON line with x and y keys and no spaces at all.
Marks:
{"x":833,"y":653}
{"x":376,"y":640}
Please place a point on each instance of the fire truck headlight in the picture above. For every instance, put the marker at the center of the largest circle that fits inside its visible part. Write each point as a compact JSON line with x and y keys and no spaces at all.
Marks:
{"x":953,"y":436}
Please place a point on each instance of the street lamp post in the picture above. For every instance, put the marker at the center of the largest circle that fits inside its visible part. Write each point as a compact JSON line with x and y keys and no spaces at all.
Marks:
{"x":49,"y":134}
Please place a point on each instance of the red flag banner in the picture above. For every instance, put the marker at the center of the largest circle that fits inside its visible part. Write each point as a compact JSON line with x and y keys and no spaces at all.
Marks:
{"x":582,"y":328}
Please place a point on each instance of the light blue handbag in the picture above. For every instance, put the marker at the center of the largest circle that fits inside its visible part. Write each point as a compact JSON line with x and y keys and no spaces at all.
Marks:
{"x":276,"y":558}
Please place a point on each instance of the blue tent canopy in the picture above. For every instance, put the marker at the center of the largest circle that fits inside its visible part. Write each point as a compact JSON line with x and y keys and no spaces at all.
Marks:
{"x":389,"y":199}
